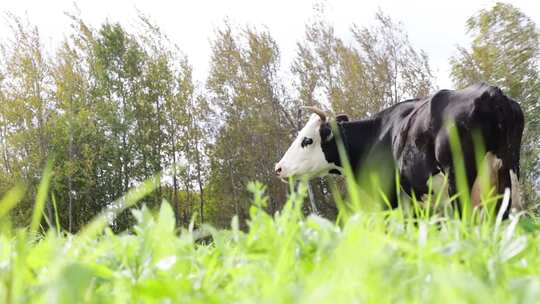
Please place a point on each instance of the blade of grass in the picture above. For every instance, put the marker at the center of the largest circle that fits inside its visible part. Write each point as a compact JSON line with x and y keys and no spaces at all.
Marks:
{"x":129,"y":199}
{"x":56,"y":217}
{"x":352,"y":186}
{"x":504,"y":206}
{"x":344,"y":211}
{"x":460,"y":174}
{"x":41,"y":197}
{"x":11,"y":199}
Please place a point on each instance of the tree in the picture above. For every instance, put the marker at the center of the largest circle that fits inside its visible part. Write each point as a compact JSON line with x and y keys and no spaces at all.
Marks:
{"x":379,"y":68}
{"x":250,"y":119}
{"x":74,"y":131}
{"x":504,"y":52}
{"x":112,"y":108}
{"x":27,"y":111}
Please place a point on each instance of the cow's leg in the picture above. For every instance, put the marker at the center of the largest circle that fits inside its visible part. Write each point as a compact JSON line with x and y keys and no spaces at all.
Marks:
{"x":415,"y":177}
{"x":499,"y":177}
{"x":452,"y":189}
{"x":446,"y":161}
{"x":516,"y":192}
{"x":470,"y":176}
{"x":487,"y":179}
{"x":393,"y":197}
{"x":439,"y":187}
{"x":468,"y":158}
{"x":507,"y":178}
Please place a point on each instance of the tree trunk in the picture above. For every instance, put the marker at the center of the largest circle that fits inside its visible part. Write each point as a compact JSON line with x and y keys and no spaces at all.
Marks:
{"x":5,"y":151}
{"x":158,"y":153}
{"x":70,"y":152}
{"x":199,"y":181}
{"x":176,"y":203}
{"x":236,"y":206}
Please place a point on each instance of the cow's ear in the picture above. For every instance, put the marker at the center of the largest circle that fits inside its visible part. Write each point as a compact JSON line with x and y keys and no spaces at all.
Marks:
{"x":342,"y":117}
{"x":326,"y":133}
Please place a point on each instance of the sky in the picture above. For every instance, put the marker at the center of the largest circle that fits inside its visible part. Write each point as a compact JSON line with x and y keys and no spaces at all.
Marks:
{"x":437,"y":27}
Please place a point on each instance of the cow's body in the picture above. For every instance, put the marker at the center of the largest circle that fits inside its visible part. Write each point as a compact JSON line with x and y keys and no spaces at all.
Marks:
{"x":412,"y":138}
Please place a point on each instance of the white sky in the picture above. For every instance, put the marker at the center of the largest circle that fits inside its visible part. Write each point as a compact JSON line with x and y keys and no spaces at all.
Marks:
{"x":434,"y":26}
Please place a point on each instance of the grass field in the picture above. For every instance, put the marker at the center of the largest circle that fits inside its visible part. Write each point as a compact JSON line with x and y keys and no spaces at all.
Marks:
{"x":367,"y":257}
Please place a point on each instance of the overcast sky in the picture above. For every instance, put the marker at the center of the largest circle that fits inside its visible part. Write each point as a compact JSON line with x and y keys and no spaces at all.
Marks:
{"x":434,"y":26}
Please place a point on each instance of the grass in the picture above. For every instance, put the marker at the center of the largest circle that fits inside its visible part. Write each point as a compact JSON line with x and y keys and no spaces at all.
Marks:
{"x":370,"y":256}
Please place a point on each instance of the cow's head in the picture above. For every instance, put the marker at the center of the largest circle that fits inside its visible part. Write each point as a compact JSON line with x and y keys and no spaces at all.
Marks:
{"x":309,"y":154}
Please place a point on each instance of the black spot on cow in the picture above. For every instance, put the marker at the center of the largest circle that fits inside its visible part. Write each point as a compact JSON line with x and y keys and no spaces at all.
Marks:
{"x":306,"y":142}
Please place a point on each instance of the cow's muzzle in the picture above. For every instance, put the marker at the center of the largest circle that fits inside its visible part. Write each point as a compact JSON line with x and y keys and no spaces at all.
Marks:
{"x":278,"y":170}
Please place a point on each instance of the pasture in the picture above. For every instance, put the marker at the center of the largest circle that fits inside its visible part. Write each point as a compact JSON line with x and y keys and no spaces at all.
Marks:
{"x":368,"y":256}
{"x":167,"y":130}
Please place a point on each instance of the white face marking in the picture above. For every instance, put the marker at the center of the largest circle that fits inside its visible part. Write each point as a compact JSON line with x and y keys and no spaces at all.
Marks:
{"x":308,"y":158}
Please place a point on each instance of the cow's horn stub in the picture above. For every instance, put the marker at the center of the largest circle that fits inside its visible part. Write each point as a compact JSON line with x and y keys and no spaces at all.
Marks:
{"x":342,"y":117}
{"x":317,"y":111}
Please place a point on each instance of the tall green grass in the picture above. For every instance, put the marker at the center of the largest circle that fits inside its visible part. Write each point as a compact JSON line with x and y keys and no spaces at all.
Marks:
{"x":371,"y":255}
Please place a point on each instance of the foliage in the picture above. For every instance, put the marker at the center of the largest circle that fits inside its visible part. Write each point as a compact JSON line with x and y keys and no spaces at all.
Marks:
{"x":505,"y":51}
{"x":378,"y":69}
{"x":110,"y":109}
{"x":250,"y":106}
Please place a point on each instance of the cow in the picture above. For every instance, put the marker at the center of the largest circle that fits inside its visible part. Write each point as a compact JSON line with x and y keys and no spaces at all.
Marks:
{"x":412,"y":139}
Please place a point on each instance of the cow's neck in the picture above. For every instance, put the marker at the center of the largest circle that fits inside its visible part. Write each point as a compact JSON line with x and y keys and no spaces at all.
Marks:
{"x":358,"y":138}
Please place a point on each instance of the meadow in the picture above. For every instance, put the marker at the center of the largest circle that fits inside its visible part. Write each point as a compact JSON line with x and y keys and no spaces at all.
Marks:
{"x":115,"y":105}
{"x":368,"y":256}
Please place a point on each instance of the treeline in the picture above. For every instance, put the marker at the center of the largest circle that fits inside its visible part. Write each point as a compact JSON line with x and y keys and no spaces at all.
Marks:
{"x":112,"y":107}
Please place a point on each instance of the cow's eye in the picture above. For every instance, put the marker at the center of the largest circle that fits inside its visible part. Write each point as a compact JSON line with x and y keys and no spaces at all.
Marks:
{"x":306,"y":142}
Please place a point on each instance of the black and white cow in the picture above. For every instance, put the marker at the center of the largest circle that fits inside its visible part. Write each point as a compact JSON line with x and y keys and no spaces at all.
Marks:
{"x":412,"y":138}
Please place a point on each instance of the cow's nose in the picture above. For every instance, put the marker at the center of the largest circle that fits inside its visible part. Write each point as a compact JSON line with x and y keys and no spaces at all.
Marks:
{"x":278,"y":170}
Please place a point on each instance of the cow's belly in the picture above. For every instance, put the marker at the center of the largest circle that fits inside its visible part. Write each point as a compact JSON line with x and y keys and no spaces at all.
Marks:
{"x":416,"y":165}
{"x":439,"y":197}
{"x":438,"y":184}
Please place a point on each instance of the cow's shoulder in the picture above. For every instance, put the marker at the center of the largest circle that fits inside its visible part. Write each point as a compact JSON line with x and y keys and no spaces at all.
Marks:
{"x":397,"y":112}
{"x":439,"y":101}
